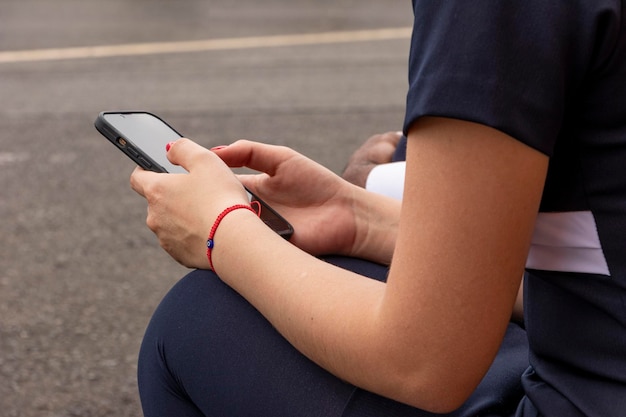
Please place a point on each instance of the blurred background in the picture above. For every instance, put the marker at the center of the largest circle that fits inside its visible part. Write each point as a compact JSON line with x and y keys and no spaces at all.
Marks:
{"x":80,"y":274}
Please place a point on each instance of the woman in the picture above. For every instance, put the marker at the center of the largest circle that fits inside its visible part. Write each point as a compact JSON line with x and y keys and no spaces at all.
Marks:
{"x":516,"y":127}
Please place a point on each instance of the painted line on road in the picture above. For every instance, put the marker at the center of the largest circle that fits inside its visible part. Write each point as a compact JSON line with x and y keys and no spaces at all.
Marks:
{"x":136,"y":49}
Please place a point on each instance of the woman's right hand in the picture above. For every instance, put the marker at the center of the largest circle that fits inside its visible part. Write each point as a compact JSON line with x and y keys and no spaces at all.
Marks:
{"x":318,"y":203}
{"x":312,"y":198}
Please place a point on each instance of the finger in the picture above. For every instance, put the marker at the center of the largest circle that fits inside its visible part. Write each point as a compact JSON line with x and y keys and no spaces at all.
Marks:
{"x":138,"y":180}
{"x":394,"y":137}
{"x":186,"y":153}
{"x":257,"y":156}
{"x":390,"y":138}
{"x":252,"y":181}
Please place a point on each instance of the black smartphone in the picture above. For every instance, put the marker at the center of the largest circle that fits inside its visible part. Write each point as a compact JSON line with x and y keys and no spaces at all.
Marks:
{"x":142,"y":136}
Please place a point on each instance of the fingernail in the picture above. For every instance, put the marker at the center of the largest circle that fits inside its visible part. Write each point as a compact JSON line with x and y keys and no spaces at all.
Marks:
{"x":217,"y":148}
{"x":168,"y":146}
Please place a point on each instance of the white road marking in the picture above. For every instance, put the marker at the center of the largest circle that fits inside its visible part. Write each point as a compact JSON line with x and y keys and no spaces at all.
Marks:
{"x":7,"y":158}
{"x":154,"y":48}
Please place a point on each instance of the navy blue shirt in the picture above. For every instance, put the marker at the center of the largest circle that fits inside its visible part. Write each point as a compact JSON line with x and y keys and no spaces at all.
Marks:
{"x":551,"y":74}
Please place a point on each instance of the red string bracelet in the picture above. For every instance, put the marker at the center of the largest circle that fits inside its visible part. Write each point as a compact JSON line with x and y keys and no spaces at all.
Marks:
{"x":210,"y":242}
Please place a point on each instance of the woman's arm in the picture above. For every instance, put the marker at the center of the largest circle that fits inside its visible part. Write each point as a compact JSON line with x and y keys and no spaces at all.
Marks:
{"x":471,"y":198}
{"x":427,"y":336}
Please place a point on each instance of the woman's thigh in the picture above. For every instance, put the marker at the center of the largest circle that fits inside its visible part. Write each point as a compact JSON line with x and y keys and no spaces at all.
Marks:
{"x":208,"y":352}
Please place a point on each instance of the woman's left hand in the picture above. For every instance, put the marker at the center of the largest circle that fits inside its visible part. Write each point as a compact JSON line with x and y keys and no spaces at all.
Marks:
{"x":182,"y":207}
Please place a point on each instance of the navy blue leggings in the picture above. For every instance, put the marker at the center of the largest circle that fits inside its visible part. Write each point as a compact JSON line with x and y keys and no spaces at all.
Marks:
{"x":208,"y":352}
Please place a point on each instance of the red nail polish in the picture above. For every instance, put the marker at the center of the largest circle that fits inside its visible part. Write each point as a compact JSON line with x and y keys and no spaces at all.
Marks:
{"x":168,"y":146}
{"x":217,"y":148}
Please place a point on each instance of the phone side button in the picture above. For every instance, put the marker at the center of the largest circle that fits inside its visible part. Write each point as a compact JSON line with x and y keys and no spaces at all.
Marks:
{"x":144,"y":163}
{"x":133,"y":152}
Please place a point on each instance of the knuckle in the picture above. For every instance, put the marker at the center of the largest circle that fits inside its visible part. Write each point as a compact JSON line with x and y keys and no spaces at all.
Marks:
{"x":152,"y":223}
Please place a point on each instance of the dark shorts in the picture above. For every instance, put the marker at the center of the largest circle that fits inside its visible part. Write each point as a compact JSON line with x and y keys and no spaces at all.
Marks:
{"x":208,"y":352}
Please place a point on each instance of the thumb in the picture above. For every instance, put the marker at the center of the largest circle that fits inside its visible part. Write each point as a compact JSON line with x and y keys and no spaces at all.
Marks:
{"x":185,"y":153}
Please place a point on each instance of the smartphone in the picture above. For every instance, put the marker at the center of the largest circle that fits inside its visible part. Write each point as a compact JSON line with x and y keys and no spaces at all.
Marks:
{"x":142,"y":136}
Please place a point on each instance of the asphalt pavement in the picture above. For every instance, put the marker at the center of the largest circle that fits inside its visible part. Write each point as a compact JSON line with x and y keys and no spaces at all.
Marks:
{"x":80,"y":273}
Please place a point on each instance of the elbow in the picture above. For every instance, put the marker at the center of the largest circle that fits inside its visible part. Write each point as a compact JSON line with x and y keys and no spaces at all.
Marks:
{"x":448,"y":403}
{"x":435,"y":392}
{"x":437,"y":398}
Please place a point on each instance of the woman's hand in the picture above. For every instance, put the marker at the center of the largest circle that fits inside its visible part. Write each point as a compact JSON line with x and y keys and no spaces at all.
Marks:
{"x":183,"y":207}
{"x":318,"y":203}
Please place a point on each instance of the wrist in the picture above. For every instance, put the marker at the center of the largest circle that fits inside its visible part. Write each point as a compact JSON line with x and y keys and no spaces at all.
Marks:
{"x":376,"y":225}
{"x":210,"y":243}
{"x":236,"y":232}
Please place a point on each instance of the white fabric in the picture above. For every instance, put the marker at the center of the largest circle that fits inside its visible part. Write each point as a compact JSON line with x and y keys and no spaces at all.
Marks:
{"x":387,"y":179}
{"x":567,"y":242}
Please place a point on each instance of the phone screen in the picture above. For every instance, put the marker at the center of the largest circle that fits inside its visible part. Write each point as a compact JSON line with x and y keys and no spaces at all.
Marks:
{"x":143,"y":136}
{"x":147,"y":133}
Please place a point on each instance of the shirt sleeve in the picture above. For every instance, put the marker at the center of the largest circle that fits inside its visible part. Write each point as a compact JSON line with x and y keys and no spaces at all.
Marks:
{"x":507,"y":64}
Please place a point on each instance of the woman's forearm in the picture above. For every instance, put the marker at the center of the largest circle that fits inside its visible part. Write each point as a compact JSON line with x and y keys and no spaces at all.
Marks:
{"x":313,"y":304}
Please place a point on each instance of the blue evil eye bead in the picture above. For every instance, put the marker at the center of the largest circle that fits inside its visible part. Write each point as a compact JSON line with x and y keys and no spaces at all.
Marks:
{"x":209,"y":244}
